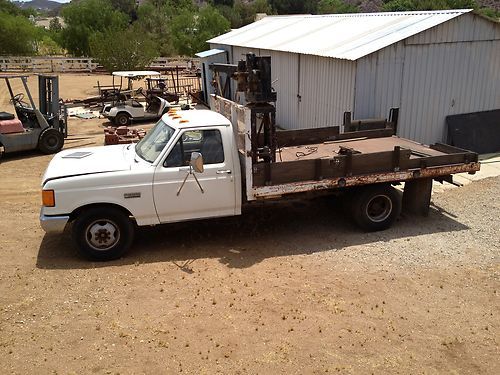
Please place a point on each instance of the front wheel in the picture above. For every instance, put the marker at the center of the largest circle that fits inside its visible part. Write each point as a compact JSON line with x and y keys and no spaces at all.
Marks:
{"x":376,"y":207}
{"x":50,"y":141}
{"x":103,"y":233}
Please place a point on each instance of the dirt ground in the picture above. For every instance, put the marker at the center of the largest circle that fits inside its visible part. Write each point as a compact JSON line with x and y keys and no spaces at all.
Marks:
{"x":290,"y":288}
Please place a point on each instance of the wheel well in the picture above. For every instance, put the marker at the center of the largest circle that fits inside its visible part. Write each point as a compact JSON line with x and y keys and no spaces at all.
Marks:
{"x":123,"y":113}
{"x":79,"y":210}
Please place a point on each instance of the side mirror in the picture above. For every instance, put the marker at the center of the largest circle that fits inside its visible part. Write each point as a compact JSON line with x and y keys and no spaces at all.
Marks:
{"x":196,"y":162}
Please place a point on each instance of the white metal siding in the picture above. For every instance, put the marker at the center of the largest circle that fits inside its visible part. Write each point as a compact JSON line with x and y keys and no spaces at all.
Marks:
{"x":326,"y":91}
{"x":446,"y":79}
{"x":325,"y":87}
{"x":378,"y":82}
{"x":284,"y":75}
{"x":466,"y":28}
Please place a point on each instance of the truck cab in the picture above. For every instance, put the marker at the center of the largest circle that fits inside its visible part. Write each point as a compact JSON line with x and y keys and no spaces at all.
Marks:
{"x":104,"y":191}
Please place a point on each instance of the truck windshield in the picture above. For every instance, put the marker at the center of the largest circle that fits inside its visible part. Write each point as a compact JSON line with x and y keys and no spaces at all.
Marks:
{"x":153,"y":143}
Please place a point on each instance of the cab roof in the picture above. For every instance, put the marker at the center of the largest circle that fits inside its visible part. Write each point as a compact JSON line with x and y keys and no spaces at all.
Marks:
{"x":194,"y":118}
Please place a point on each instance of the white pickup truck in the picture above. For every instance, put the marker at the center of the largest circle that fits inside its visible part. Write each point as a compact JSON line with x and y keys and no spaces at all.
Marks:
{"x":196,"y":164}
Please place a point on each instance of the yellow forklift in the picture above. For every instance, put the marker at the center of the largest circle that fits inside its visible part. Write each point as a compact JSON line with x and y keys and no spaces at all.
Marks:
{"x":43,"y":128}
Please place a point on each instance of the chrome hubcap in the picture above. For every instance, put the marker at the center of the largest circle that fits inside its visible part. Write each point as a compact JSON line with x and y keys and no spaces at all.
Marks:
{"x":102,"y":234}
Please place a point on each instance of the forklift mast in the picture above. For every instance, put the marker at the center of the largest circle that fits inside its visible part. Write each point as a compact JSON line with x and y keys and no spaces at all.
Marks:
{"x":50,"y":106}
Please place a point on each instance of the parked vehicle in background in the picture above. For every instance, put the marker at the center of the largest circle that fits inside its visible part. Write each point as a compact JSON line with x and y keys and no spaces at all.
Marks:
{"x":43,"y":128}
{"x":134,"y":105}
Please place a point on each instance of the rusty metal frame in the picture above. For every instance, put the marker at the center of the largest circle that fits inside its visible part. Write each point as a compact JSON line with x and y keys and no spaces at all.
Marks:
{"x":269,"y":192}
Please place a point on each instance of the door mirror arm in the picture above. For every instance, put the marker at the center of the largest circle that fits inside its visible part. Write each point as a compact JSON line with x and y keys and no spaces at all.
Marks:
{"x":196,"y":165}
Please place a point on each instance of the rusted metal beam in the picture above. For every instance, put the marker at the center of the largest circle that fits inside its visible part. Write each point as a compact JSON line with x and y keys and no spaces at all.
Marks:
{"x":264,"y":192}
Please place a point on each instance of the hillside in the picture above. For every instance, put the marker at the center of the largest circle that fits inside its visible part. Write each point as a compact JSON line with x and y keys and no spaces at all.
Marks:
{"x":38,"y":4}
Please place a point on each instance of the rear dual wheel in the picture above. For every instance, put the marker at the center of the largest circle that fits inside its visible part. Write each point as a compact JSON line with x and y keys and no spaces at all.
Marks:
{"x":375,"y":207}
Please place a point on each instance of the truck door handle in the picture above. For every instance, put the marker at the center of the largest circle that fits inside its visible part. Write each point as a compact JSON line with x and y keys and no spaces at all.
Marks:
{"x":224,"y":171}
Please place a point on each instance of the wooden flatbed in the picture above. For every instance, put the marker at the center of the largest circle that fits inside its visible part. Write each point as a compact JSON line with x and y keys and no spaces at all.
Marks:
{"x":330,"y":149}
{"x":354,"y":158}
{"x":327,"y":160}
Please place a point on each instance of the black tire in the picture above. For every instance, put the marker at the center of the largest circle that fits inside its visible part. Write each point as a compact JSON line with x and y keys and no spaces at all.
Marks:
{"x":50,"y":141}
{"x":376,"y":207}
{"x":122,"y":119}
{"x":103,"y":233}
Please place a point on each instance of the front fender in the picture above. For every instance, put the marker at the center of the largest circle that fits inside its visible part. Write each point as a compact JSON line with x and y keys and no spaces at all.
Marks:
{"x":131,"y":191}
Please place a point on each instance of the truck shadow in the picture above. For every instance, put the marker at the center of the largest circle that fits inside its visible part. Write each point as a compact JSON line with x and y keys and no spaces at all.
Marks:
{"x":20,"y":155}
{"x":262,"y":232}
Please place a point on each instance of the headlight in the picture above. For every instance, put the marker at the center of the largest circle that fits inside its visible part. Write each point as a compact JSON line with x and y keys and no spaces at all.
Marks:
{"x":48,"y":198}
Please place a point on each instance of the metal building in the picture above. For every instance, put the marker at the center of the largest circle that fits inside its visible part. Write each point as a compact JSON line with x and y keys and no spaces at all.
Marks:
{"x":429,"y":64}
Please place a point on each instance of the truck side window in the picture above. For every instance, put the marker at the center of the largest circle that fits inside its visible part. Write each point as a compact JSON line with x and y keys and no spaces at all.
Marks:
{"x":175,"y":158}
{"x":207,"y":142}
{"x":211,"y":149}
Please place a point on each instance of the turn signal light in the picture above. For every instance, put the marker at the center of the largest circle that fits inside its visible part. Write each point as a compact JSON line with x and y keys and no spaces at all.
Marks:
{"x":48,"y":198}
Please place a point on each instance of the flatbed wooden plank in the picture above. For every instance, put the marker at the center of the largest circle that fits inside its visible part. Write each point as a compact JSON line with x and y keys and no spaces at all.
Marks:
{"x":327,"y":150}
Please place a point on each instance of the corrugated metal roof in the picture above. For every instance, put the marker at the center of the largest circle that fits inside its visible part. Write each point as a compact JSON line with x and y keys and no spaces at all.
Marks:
{"x":342,"y":36}
{"x":210,"y":52}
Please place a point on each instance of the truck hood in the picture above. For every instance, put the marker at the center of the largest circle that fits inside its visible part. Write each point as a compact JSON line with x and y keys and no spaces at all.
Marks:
{"x":89,"y":160}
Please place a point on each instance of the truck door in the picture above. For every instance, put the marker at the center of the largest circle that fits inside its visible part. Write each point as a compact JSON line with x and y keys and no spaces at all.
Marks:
{"x":218,"y":197}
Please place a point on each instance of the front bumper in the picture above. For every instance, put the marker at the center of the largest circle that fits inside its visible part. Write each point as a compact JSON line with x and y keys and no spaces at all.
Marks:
{"x":53,"y":224}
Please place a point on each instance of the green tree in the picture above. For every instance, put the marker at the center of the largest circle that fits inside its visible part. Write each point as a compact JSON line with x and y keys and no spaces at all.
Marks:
{"x":490,"y":13}
{"x":85,"y":18}
{"x":10,"y":8}
{"x":123,"y":49}
{"x":230,"y":13}
{"x":242,"y":13}
{"x":125,"y":6}
{"x":336,"y":6}
{"x":47,"y":46}
{"x":18,"y":35}
{"x":191,"y":30}
{"x":153,"y":21}
{"x":294,"y":6}
{"x":216,"y":3}
{"x":55,"y":25}
{"x":262,"y":6}
{"x":399,"y":6}
{"x":411,"y":5}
